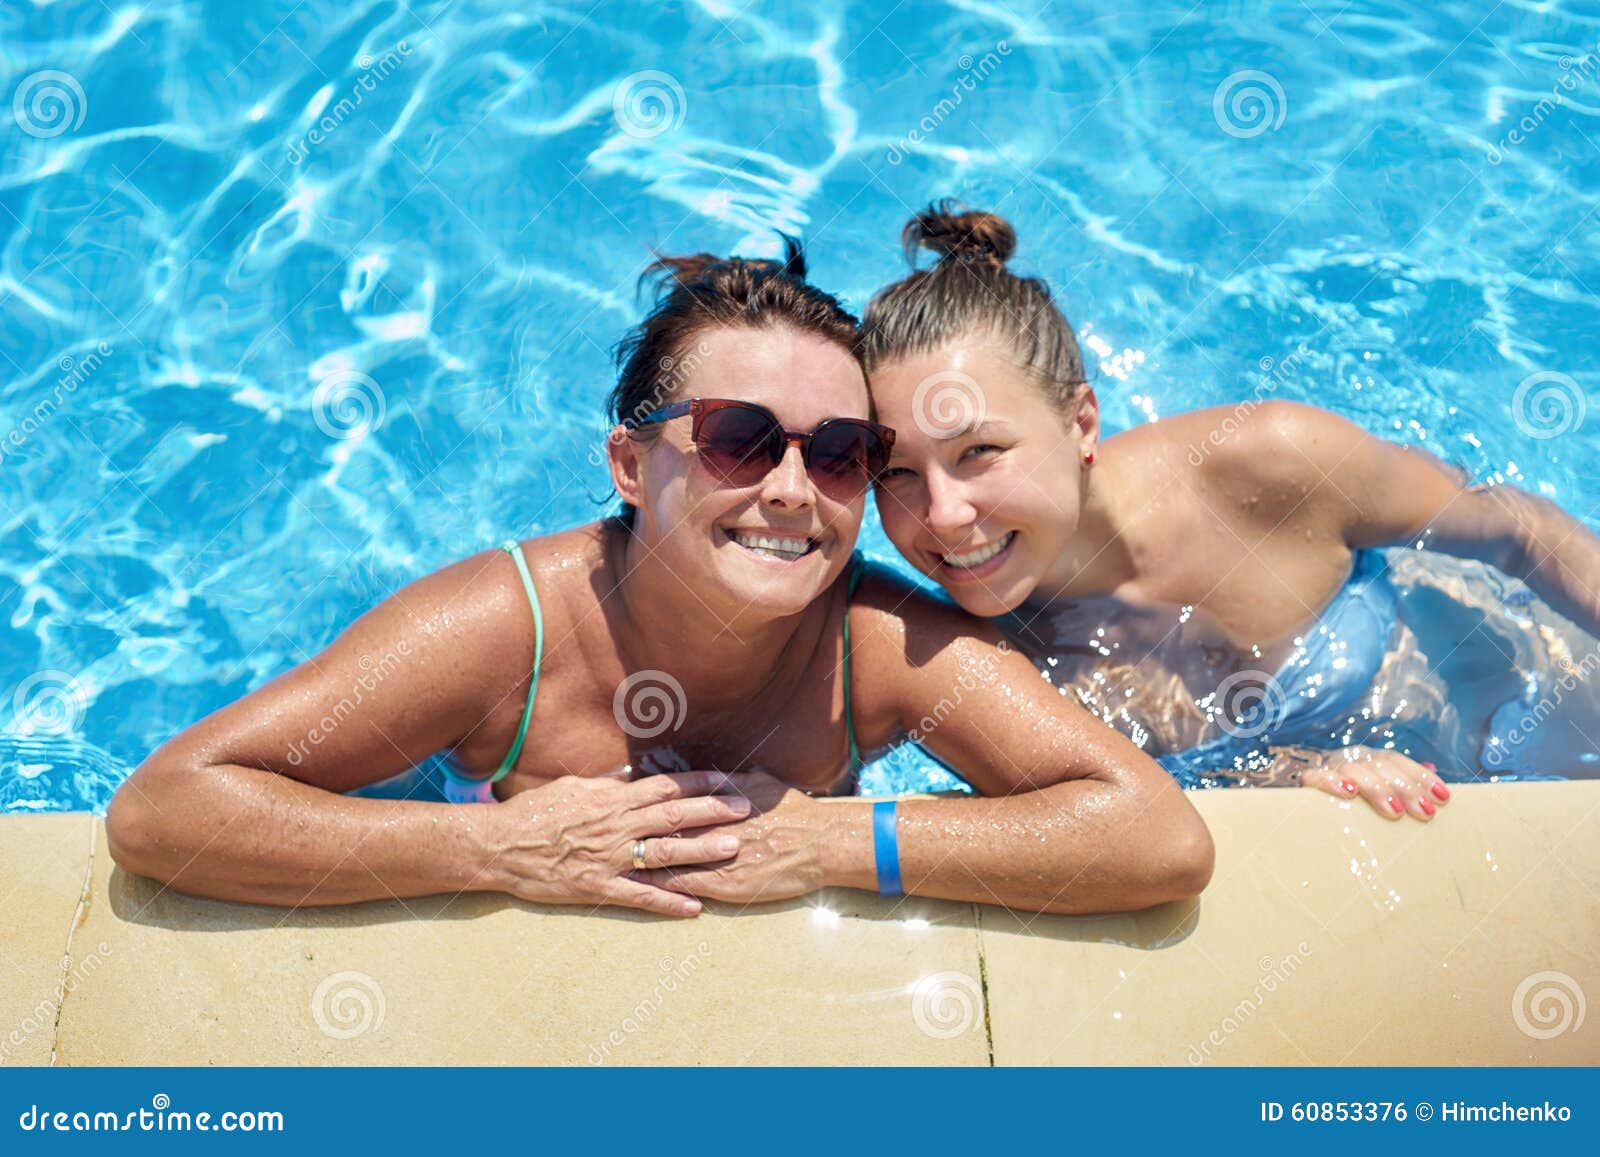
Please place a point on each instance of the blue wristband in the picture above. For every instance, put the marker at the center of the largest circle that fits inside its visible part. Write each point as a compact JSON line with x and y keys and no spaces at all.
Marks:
{"x":886,"y":848}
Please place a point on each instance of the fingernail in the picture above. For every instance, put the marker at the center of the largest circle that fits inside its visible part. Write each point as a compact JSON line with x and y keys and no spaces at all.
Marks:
{"x":1427,"y":808}
{"x":1347,"y":787}
{"x":739,"y":805}
{"x":1430,"y":767}
{"x":1396,"y":806}
{"x":726,"y":845}
{"x":1440,"y":792}
{"x":691,"y":907}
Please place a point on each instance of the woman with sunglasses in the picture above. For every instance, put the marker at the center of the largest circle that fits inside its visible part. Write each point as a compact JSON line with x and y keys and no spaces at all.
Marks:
{"x":1207,"y":583}
{"x":720,"y":623}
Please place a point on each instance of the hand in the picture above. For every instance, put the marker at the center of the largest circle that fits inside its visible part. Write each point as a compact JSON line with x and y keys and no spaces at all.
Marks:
{"x":782,"y":846}
{"x":1394,"y":785}
{"x":571,"y":841}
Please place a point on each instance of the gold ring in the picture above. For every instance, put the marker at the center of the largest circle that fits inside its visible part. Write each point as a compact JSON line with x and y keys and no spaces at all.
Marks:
{"x":638,"y":854}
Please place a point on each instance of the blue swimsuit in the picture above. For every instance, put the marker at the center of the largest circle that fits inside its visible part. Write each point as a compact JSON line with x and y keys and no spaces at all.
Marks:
{"x":1314,"y":691}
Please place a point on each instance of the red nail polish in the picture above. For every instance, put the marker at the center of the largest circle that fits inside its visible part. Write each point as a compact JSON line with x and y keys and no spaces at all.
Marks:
{"x":1348,"y":787}
{"x":1440,"y":791}
{"x":1395,"y":803}
{"x":1427,"y":808}
{"x":1430,"y":767}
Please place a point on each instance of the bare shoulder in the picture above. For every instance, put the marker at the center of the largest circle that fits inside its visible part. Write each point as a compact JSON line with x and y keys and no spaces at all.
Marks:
{"x":1272,"y":460}
{"x":1278,"y":439}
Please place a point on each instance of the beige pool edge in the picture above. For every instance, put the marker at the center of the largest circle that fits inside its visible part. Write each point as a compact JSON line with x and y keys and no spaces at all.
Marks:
{"x":1328,"y":936}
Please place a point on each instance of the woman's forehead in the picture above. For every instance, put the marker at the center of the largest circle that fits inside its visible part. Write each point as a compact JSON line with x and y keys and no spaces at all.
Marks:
{"x":801,"y":377}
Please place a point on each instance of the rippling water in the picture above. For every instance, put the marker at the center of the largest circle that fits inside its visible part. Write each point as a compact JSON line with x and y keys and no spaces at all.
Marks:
{"x":298,"y":302}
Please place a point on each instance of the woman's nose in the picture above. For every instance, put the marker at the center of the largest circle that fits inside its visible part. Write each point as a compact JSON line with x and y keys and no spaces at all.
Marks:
{"x":786,"y":484}
{"x":949,"y":508}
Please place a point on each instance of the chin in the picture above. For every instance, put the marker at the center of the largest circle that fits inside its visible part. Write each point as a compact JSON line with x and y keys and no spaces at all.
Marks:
{"x":780,"y":587}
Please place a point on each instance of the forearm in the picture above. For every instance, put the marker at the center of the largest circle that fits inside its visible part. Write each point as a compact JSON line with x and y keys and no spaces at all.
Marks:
{"x":1079,"y":847}
{"x":239,"y":833}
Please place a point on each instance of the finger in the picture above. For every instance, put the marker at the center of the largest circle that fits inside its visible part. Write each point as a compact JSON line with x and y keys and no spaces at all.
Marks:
{"x":1332,"y":781}
{"x":695,"y":812}
{"x":704,"y":850}
{"x":655,"y":789}
{"x":1405,"y":781}
{"x":1376,"y":791}
{"x":687,"y":881}
{"x":1436,"y":786}
{"x":630,"y":893}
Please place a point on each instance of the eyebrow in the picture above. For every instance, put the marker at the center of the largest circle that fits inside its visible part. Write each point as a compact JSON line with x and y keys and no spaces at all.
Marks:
{"x":992,"y":426}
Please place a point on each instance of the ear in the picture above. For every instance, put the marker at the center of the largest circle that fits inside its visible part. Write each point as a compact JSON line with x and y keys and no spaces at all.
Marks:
{"x":1086,"y":422}
{"x":622,"y":455}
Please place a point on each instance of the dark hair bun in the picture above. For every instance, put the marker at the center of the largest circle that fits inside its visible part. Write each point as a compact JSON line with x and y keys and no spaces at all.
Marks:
{"x":955,"y":234}
{"x":694,"y":269}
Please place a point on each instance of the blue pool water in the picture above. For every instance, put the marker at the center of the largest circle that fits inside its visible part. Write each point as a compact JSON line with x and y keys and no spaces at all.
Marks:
{"x":301,"y":301}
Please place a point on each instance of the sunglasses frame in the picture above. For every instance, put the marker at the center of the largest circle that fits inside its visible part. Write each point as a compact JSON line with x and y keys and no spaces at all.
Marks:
{"x":698,"y":408}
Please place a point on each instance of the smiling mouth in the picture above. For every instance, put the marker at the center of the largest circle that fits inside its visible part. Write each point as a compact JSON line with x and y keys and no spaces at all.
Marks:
{"x":979,"y":556}
{"x":783,"y":547}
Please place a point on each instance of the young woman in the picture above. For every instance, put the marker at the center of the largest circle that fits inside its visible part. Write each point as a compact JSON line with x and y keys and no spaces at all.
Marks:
{"x":1207,"y":582}
{"x":723,"y":624}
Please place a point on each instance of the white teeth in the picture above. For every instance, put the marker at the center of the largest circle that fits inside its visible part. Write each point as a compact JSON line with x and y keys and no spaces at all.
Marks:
{"x":982,"y":555}
{"x":772,"y":544}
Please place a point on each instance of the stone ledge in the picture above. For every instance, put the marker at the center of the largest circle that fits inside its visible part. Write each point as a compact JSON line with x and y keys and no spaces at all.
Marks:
{"x":1329,"y":936}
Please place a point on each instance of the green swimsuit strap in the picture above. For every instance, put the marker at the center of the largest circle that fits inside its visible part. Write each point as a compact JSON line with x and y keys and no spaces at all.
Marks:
{"x":857,"y":567}
{"x":514,"y":549}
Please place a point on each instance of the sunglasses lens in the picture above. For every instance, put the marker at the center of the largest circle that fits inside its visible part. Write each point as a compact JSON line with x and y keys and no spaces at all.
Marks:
{"x":847,"y":455}
{"x":737,"y":444}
